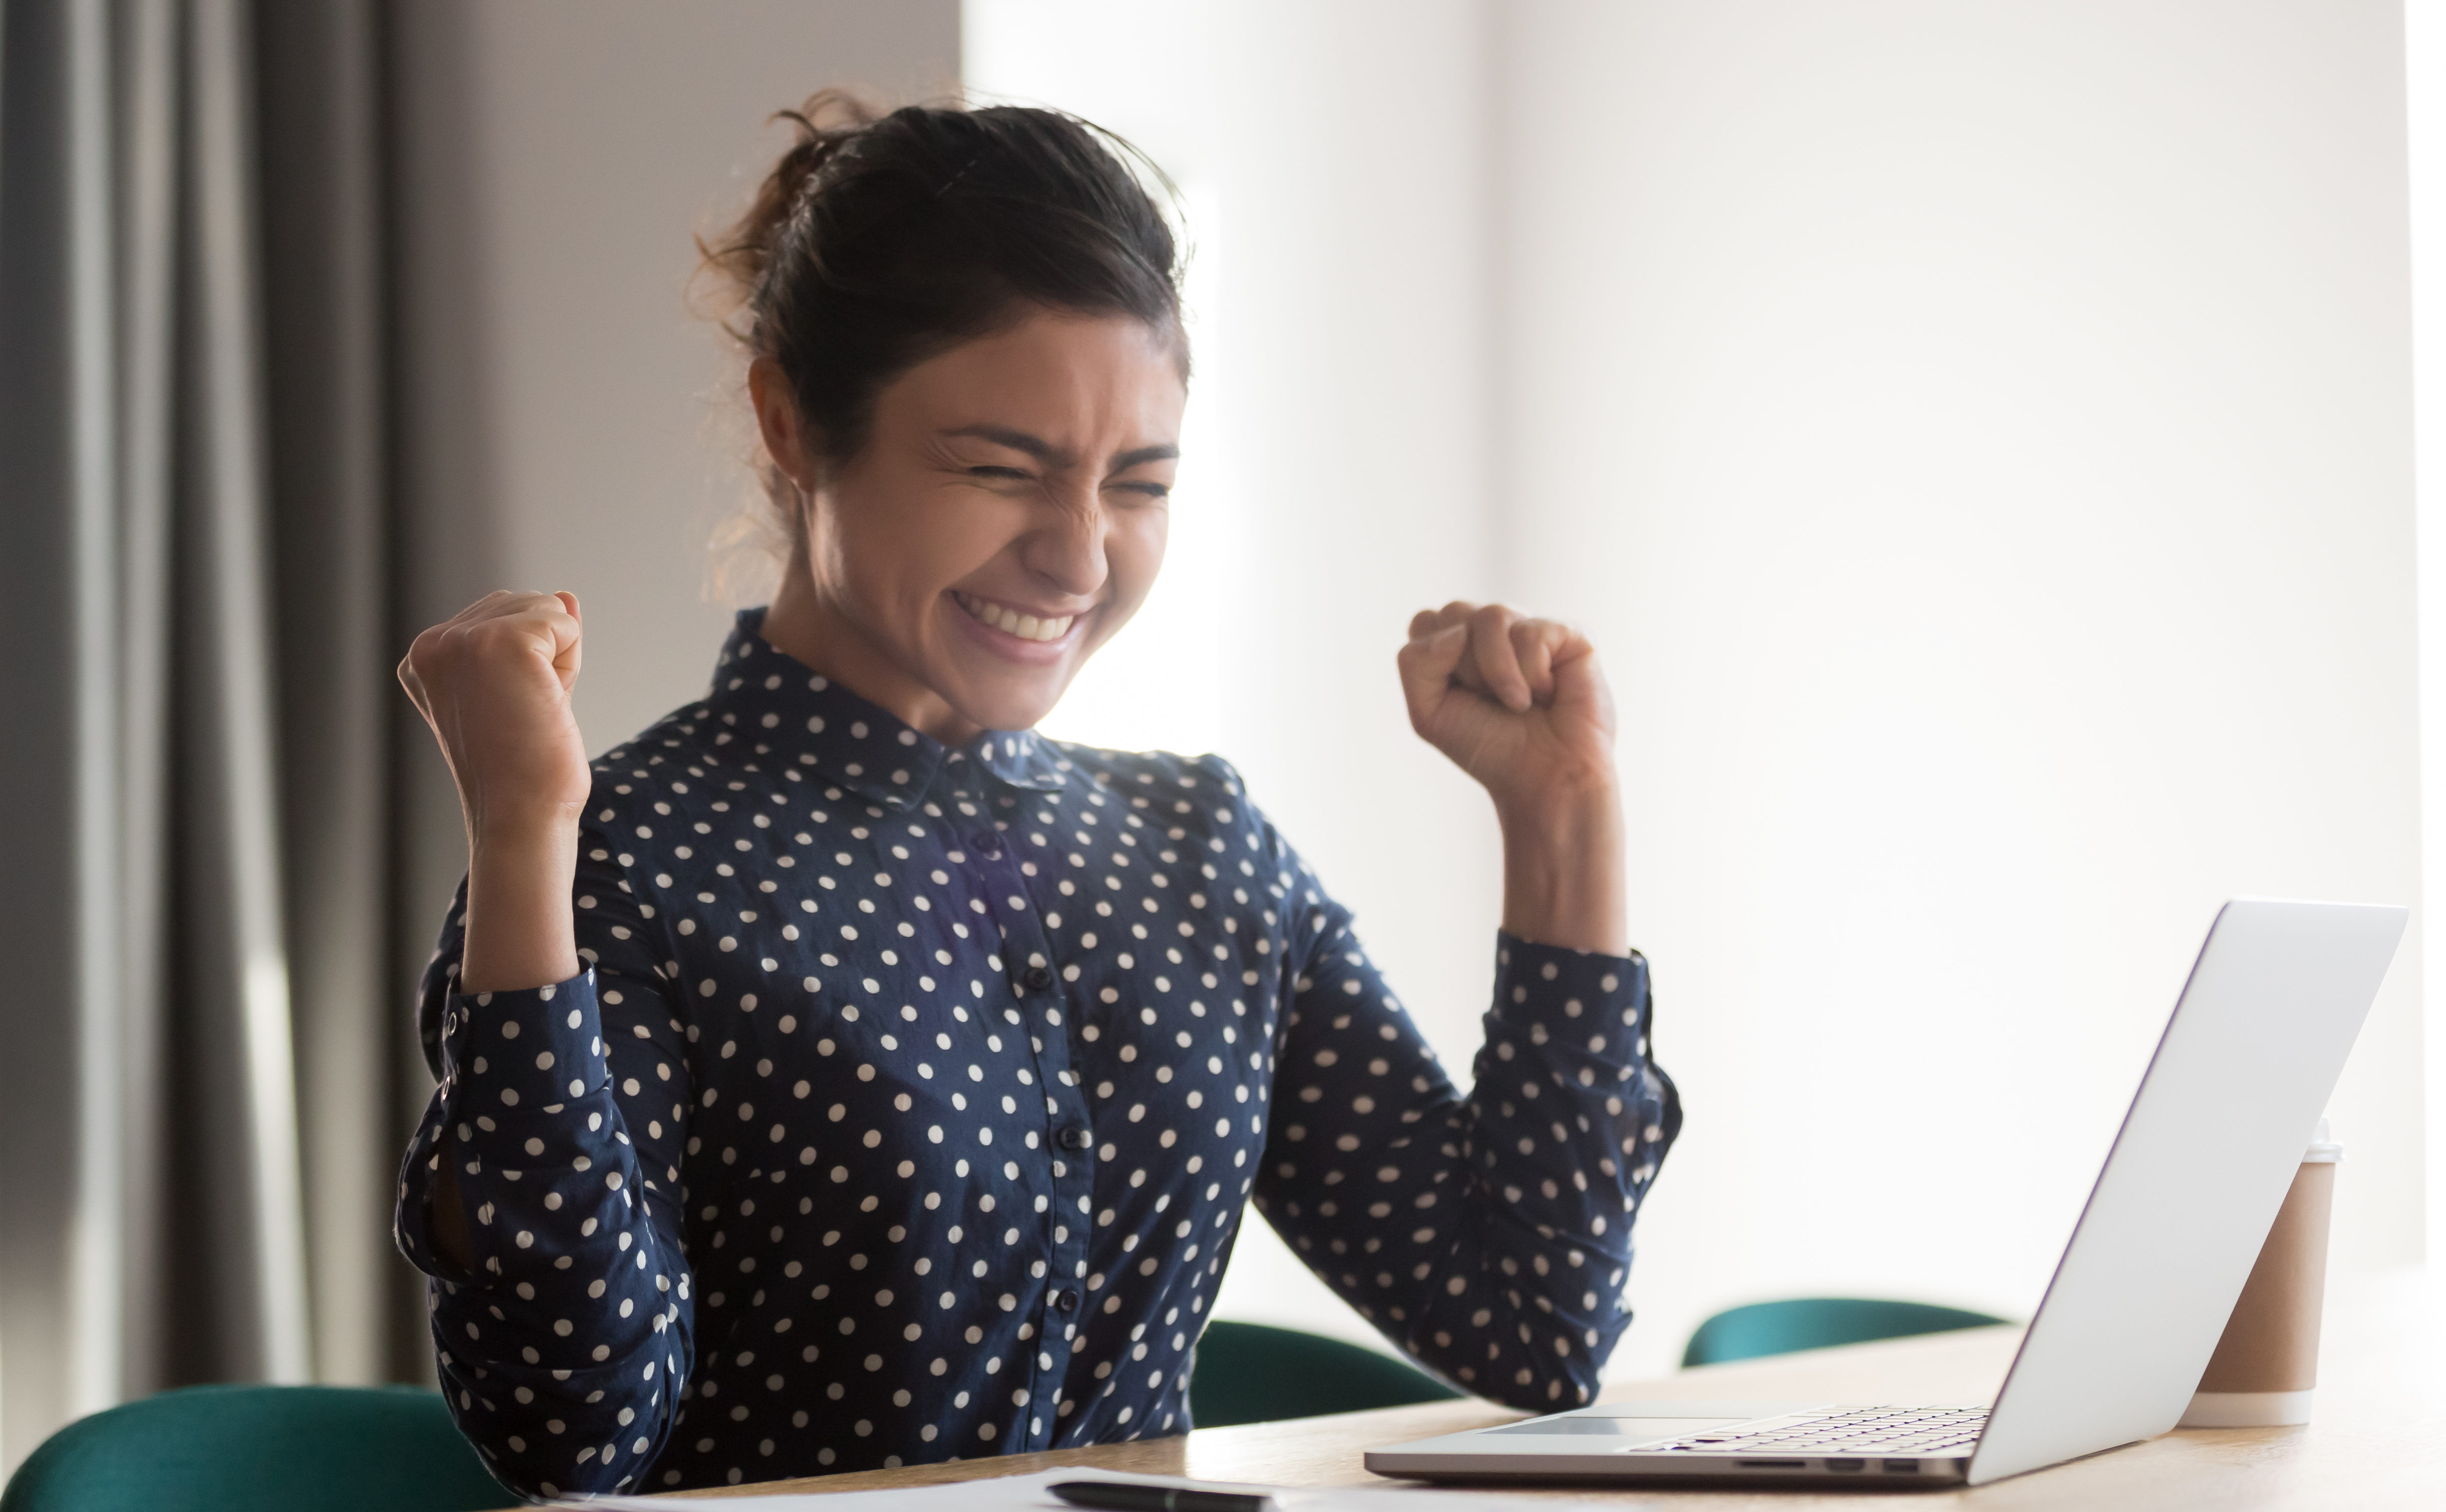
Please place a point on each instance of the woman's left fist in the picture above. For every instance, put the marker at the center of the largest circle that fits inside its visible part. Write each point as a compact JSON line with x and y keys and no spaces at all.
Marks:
{"x":1518,"y":703}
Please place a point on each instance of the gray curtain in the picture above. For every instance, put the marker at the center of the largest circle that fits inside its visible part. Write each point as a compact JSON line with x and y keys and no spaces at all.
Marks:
{"x":200,"y":1041}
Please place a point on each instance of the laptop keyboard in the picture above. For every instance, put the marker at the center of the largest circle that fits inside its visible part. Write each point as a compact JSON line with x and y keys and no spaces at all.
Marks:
{"x":1862,"y":1431}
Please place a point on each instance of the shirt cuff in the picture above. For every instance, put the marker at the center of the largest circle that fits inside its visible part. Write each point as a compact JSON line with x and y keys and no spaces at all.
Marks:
{"x":535,"y":1048}
{"x":1597,"y":1002}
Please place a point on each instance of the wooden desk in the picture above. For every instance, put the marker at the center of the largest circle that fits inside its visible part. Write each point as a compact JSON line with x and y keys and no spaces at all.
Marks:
{"x":2379,"y":1440}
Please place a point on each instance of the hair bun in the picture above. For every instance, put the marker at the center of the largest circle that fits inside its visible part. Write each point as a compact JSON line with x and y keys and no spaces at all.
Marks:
{"x":823,"y":126}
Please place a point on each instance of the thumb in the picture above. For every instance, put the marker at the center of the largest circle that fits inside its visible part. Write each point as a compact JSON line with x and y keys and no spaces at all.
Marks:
{"x":567,"y":640}
{"x":1427,"y":665}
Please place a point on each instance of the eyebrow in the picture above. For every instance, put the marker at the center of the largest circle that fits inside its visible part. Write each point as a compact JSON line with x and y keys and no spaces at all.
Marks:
{"x":1123,"y":461}
{"x":1044,"y":451}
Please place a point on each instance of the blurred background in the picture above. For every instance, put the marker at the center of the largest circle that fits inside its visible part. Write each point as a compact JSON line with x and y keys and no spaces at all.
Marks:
{"x":1980,"y":439}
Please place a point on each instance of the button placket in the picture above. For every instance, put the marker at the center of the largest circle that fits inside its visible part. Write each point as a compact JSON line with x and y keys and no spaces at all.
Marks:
{"x":1069,"y":1140}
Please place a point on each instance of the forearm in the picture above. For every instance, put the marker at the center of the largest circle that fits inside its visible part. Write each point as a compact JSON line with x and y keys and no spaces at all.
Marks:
{"x":520,"y":932}
{"x":1563,"y":867}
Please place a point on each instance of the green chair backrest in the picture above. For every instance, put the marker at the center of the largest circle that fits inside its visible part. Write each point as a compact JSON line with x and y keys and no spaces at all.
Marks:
{"x":1814,"y":1322}
{"x":1250,"y":1372}
{"x":260,"y":1448}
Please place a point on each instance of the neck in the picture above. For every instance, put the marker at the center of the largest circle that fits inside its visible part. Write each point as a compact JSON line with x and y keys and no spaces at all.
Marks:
{"x":807,"y":625}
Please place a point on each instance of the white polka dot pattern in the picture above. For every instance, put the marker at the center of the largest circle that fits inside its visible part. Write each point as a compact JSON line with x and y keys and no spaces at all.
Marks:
{"x":911,"y":1101}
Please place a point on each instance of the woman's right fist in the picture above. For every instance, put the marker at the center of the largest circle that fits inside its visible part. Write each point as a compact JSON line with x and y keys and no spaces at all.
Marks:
{"x":494,"y":684}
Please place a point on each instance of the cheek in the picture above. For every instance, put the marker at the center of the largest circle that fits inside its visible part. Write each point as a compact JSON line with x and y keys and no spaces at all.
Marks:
{"x":901,"y":554}
{"x":1135,"y":554}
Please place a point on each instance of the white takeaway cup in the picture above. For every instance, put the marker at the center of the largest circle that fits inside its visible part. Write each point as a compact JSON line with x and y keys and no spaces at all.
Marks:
{"x":2267,"y":1364}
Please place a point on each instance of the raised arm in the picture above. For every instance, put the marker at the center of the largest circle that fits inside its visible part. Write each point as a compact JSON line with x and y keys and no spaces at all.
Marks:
{"x":1489,"y":1235}
{"x":1521,"y":705}
{"x":542,"y":1195}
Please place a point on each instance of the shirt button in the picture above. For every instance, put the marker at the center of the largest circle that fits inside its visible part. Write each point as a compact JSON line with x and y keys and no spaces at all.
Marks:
{"x":1076,"y":1138}
{"x":986,"y":844}
{"x":1066,"y":1299}
{"x":1035,"y":978}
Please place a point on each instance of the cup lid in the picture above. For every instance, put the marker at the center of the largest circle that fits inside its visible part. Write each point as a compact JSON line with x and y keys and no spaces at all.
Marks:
{"x":2323,"y":1150}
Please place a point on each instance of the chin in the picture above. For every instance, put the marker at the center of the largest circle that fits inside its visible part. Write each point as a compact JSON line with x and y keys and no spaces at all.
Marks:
{"x":1008,"y":709}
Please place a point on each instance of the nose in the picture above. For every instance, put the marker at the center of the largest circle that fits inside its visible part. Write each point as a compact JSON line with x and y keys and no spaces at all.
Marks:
{"x":1065,"y":548}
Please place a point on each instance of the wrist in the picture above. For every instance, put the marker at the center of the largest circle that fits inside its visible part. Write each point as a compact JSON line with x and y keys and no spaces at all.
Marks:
{"x":522,"y":828}
{"x":1563,"y":881}
{"x":1565,"y":810}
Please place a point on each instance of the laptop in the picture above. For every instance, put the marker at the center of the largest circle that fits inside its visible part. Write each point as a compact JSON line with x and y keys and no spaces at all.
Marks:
{"x":2162,"y":1247}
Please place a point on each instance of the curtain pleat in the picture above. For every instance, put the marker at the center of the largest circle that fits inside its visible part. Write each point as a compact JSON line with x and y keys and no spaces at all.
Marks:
{"x":233,"y":566}
{"x":42,"y":1133}
{"x":148,"y":231}
{"x":319,"y":86}
{"x":96,"y":1239}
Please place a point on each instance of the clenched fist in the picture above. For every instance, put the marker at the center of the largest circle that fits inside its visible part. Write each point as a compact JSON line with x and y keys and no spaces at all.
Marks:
{"x":494,"y":683}
{"x":1517,"y":702}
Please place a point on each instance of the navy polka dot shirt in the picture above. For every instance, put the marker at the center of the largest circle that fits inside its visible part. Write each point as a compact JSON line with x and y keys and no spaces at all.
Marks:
{"x":912,"y":1097}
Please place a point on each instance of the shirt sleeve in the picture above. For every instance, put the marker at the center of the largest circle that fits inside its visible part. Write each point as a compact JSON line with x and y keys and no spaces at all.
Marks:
{"x":563,"y":1350}
{"x":1488,"y":1235}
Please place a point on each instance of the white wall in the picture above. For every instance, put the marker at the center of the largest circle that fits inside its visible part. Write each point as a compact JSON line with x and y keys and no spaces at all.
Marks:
{"x":1977,"y":436}
{"x":2425,"y":46}
{"x":1980,"y":433}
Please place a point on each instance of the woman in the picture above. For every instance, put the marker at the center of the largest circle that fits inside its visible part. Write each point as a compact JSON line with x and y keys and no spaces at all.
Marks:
{"x":840,"y":1074}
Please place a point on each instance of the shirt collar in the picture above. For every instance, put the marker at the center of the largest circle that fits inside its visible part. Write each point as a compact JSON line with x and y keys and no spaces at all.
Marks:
{"x":775,"y":702}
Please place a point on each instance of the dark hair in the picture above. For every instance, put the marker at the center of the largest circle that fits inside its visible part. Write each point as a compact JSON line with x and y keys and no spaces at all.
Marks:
{"x":876,"y":243}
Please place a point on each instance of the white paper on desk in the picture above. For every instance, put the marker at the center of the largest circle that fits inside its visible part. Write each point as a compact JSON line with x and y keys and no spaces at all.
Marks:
{"x":1027,"y":1493}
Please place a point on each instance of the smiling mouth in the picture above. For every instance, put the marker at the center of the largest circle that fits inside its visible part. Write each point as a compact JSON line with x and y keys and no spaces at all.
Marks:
{"x":1011,"y":621}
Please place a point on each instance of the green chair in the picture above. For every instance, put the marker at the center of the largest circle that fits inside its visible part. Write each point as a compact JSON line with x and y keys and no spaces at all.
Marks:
{"x":1249,"y":1373}
{"x":260,"y":1448}
{"x":1813,"y":1323}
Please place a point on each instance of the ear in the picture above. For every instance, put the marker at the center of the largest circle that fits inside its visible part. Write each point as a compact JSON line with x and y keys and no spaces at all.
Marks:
{"x":782,"y":427}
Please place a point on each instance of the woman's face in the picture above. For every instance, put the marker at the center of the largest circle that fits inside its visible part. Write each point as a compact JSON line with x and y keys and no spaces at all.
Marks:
{"x":1005,"y":519}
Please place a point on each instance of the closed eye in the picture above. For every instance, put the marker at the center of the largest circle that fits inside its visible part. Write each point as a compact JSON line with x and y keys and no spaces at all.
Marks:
{"x":1150,"y":489}
{"x":1000,"y":473}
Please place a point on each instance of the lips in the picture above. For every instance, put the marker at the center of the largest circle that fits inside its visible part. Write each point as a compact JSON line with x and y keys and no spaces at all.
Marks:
{"x":1015,"y":622}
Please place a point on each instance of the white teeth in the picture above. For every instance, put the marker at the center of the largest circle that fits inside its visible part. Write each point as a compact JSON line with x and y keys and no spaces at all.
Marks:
{"x":1026,"y":626}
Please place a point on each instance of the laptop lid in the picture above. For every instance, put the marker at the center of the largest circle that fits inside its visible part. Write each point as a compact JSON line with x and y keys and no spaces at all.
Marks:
{"x":2193,"y":1184}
